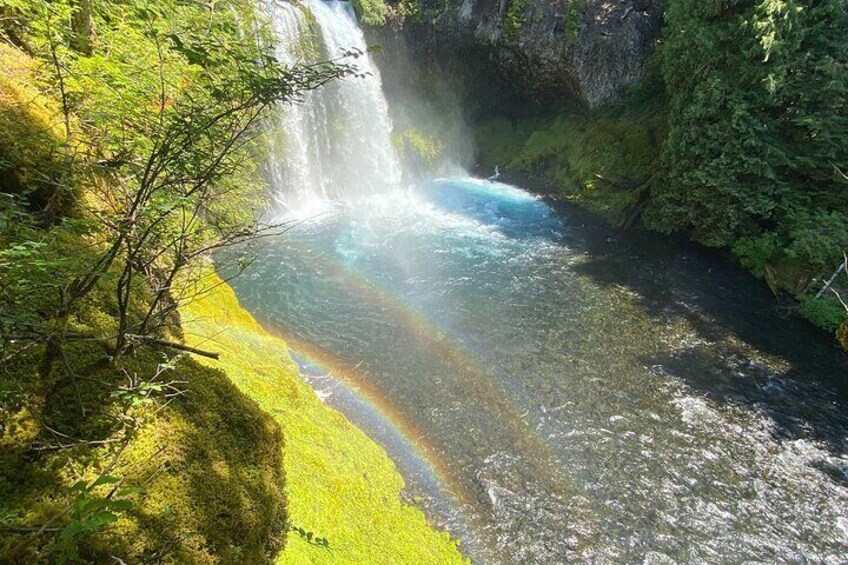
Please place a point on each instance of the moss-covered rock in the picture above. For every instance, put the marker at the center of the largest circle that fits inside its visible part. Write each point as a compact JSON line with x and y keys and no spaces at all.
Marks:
{"x":32,"y":137}
{"x":209,"y":460}
{"x":604,"y":163}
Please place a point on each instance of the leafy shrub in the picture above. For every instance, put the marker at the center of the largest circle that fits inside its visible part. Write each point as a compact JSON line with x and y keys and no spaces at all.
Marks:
{"x":514,"y":19}
{"x":371,"y":12}
{"x":415,"y":145}
{"x":758,"y":94}
{"x":824,"y":312}
{"x":756,"y":252}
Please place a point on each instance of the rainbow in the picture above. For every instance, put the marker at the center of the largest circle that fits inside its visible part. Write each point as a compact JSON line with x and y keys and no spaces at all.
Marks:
{"x":356,"y":382}
{"x":470,"y":376}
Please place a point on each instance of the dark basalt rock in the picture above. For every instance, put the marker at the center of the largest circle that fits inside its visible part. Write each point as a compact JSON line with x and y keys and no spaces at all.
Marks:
{"x":587,"y":51}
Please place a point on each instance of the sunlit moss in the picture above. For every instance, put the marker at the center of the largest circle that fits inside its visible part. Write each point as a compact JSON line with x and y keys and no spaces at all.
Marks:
{"x":31,"y":131}
{"x":341,"y":485}
{"x":371,"y":12}
{"x":211,"y":462}
{"x":221,"y":497}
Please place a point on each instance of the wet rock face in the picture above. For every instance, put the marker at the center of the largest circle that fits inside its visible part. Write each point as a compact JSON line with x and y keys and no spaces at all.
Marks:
{"x":584,"y":49}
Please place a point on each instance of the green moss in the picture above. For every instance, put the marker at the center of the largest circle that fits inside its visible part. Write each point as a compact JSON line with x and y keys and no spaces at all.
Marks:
{"x":341,"y":485}
{"x":514,"y":19}
{"x":210,"y":463}
{"x":499,"y":140}
{"x":371,"y":12}
{"x":31,"y":133}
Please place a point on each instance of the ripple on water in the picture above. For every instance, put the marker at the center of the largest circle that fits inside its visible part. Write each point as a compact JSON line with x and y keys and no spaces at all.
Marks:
{"x":595,"y":397}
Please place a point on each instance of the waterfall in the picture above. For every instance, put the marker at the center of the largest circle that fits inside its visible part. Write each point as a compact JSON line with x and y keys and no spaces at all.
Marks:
{"x":337,"y":143}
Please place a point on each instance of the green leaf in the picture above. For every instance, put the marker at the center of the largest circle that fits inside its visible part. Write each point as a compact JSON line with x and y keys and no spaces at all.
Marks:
{"x":104,"y":480}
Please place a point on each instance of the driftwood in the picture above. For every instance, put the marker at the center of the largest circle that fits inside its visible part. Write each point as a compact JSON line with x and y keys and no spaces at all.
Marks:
{"x":842,"y":267}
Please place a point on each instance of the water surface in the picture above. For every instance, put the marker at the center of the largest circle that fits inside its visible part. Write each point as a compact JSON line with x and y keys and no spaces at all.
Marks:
{"x":557,"y":391}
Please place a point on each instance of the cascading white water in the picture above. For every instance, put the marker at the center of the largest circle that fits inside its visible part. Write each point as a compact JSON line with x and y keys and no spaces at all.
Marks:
{"x":336,"y":144}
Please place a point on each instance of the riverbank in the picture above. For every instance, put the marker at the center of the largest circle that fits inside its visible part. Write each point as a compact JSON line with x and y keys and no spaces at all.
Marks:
{"x":341,"y":486}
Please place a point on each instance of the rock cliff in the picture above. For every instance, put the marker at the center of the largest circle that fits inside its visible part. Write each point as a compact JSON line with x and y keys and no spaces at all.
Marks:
{"x":584,"y":50}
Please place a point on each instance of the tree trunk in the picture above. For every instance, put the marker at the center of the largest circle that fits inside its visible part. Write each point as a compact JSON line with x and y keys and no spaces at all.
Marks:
{"x":53,"y":347}
{"x":83,"y":27}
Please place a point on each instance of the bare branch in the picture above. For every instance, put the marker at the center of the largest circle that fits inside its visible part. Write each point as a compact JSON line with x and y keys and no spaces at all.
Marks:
{"x":175,"y":345}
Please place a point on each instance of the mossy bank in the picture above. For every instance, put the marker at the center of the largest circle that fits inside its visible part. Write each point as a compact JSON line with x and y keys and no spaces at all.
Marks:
{"x":341,"y":486}
{"x":243,"y":465}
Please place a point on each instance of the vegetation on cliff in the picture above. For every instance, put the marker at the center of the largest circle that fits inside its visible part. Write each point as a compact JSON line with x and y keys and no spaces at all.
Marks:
{"x":757,"y":143}
{"x":737,"y":137}
{"x":371,"y":12}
